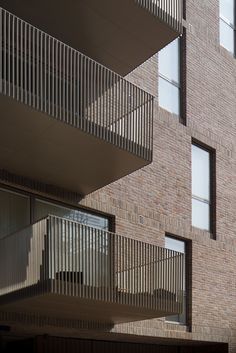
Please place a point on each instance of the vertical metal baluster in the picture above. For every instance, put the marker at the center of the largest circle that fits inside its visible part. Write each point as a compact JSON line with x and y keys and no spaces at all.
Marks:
{"x":17,"y":58}
{"x":100,"y":95}
{"x":55,"y":256}
{"x":64,"y":82}
{"x":91,"y":99}
{"x":5,"y":53}
{"x":50,"y":75}
{"x":45,"y":73}
{"x":13,"y":57}
{"x":95,"y":99}
{"x":1,"y":49}
{"x":81,"y":92}
{"x":79,"y":259}
{"x":29,"y":66}
{"x":41,"y":71}
{"x":74,"y":119}
{"x":57,"y":78}
{"x":89,"y":263}
{"x":60,"y":79}
{"x":33,"y":66}
{"x":141,"y":119}
{"x":37,"y":70}
{"x":67,"y":80}
{"x":9,"y":54}
{"x":26,"y":90}
{"x":71,"y":87}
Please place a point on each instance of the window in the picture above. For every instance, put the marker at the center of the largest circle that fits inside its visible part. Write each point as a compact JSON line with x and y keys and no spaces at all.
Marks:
{"x":18,"y":210}
{"x":201,"y":188}
{"x":14,"y":211}
{"x":227,"y":24}
{"x":179,"y":246}
{"x":169,"y":77}
{"x":43,"y":208}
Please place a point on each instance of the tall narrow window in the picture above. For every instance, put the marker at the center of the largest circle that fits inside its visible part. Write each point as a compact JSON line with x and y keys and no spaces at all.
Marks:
{"x":169,"y":77}
{"x":201,"y":188}
{"x":227,"y":25}
{"x":179,"y":246}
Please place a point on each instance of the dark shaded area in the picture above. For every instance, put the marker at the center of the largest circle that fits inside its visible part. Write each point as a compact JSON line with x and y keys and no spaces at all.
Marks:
{"x":47,"y":344}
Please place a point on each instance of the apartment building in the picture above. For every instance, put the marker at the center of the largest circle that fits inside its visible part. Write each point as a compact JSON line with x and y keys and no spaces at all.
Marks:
{"x":117,"y":173}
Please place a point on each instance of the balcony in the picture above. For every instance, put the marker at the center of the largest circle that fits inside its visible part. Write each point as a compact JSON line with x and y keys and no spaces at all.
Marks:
{"x":120,"y":34}
{"x":68,"y":121}
{"x":61,"y":268}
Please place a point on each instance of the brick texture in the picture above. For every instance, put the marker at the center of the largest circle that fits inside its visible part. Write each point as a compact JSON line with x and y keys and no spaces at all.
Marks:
{"x":157,"y":199}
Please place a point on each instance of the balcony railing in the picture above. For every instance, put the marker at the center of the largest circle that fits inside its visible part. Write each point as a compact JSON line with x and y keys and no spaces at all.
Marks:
{"x":169,"y":11}
{"x":70,"y":259}
{"x":49,"y":76}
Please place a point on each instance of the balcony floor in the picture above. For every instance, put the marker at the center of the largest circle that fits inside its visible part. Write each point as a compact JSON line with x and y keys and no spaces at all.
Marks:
{"x":118,"y":34}
{"x":35,"y":145}
{"x":47,"y":303}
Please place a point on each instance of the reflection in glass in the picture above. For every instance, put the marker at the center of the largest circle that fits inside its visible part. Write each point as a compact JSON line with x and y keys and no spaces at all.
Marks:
{"x":226,"y":36}
{"x":43,"y":208}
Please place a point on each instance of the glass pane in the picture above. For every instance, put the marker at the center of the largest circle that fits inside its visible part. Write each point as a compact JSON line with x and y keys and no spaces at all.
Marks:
{"x":174,"y":244}
{"x":169,"y":96}
{"x":226,"y":36}
{"x":200,"y":214}
{"x":181,"y":318}
{"x":43,"y":208}
{"x":14,"y":212}
{"x":200,"y":173}
{"x":169,"y":61}
{"x":227,"y":10}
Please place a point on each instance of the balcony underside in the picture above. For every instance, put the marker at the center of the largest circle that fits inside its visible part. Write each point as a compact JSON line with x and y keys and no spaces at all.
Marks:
{"x":42,"y":301}
{"x":119,"y":34}
{"x":35,"y":145}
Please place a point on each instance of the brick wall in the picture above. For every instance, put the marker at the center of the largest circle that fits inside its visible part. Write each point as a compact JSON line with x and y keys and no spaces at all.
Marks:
{"x":157,"y":199}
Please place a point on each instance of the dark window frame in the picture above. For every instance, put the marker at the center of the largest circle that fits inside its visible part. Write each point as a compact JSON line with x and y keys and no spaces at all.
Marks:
{"x":188,"y":281}
{"x":181,"y":85}
{"x":32,"y":197}
{"x":173,"y":82}
{"x":212,"y":181}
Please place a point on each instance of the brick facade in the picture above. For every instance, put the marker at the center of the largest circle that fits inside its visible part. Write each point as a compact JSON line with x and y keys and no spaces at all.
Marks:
{"x":157,"y":199}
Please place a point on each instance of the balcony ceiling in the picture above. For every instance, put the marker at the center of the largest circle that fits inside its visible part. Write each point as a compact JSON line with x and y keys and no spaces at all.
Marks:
{"x":118,"y":34}
{"x":35,"y":145}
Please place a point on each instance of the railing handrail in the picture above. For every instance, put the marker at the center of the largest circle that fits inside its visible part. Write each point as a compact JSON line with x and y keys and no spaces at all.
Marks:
{"x":49,"y":216}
